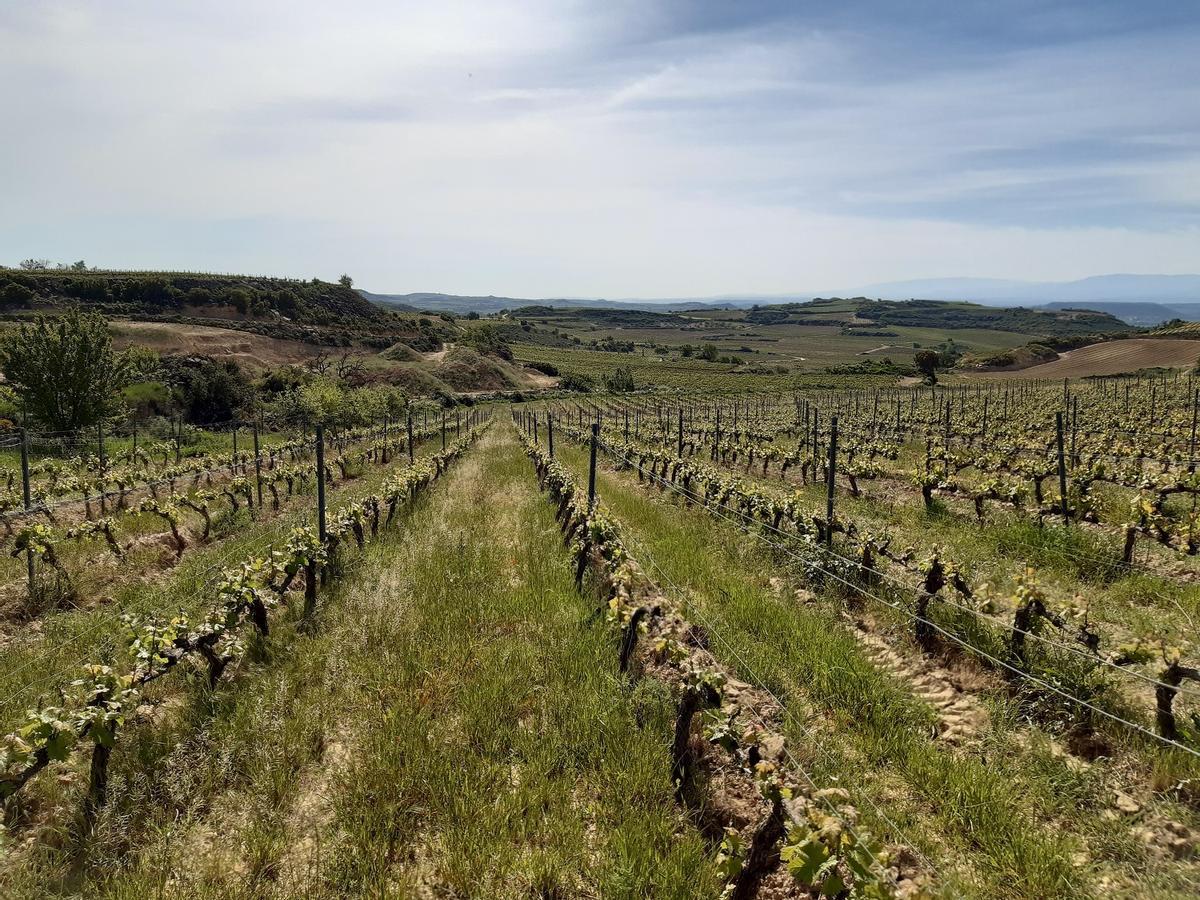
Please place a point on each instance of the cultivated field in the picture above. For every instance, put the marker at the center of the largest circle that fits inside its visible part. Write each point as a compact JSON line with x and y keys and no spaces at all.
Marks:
{"x":481,"y":682}
{"x":1115,"y":357}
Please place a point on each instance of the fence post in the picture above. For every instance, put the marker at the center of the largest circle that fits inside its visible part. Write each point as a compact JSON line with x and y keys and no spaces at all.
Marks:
{"x":550,"y":432}
{"x":592,"y":467}
{"x":1074,"y":430}
{"x":410,"y":439}
{"x":680,"y":453}
{"x":257,"y":465}
{"x":1192,"y":442}
{"x":27,"y":495}
{"x":833,"y":436}
{"x":946,"y":444}
{"x":443,"y":431}
{"x":1191,"y":462}
{"x":535,"y":429}
{"x":321,"y":532}
{"x":103,"y":467}
{"x":233,"y":469}
{"x":1062,"y":468}
{"x":178,"y":430}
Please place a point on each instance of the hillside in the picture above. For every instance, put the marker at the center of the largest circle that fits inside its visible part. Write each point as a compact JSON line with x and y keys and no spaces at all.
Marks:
{"x":460,"y":303}
{"x":1043,"y":323}
{"x":313,"y":311}
{"x":1115,"y":358}
{"x":1141,"y":314}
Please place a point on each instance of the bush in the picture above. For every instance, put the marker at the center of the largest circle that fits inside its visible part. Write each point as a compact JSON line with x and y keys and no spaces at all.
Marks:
{"x":620,"y":381}
{"x":573,"y":381}
{"x":208,"y":391}
{"x":16,"y":296}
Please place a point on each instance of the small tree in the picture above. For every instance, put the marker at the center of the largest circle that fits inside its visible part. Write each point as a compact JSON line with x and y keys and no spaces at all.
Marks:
{"x":927,"y":364}
{"x":346,"y":281}
{"x":620,"y":381}
{"x":65,"y":370}
{"x":708,"y":353}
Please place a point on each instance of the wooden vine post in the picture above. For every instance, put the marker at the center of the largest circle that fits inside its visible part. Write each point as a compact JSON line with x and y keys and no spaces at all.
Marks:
{"x":592,"y":467}
{"x":322,"y":533}
{"x":550,"y":433}
{"x":257,"y":465}
{"x":1062,"y":469}
{"x":410,"y":438}
{"x":829,"y":482}
{"x":1192,"y":463}
{"x":100,"y":448}
{"x":27,"y":495}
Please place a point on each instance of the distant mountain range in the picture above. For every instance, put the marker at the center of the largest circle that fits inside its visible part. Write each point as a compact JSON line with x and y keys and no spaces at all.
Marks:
{"x":1137,"y":299}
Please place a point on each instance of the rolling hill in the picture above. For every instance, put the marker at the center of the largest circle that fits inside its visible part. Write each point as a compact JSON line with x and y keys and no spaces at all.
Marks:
{"x":313,"y":311}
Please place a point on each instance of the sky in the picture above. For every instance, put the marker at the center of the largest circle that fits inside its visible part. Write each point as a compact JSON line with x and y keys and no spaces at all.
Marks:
{"x":622,"y":149}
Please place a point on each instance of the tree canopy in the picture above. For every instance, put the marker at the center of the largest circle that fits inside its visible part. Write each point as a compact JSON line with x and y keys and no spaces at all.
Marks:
{"x":64,"y":370}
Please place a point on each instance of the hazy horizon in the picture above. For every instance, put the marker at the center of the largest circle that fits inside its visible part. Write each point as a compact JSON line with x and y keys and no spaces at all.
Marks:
{"x":618,"y":150}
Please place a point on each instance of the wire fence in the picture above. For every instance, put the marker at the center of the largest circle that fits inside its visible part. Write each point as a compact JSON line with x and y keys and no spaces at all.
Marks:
{"x":741,"y":519}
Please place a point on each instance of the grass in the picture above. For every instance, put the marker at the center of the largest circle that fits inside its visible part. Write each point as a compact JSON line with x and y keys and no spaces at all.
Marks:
{"x":455,"y":727}
{"x":39,"y":659}
{"x":1000,"y":821}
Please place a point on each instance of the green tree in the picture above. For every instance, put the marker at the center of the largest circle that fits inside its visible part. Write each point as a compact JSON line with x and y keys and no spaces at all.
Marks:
{"x":708,"y":353}
{"x":927,"y":364}
{"x":620,"y":381}
{"x":215,"y":391}
{"x":346,"y":281}
{"x":64,"y":370}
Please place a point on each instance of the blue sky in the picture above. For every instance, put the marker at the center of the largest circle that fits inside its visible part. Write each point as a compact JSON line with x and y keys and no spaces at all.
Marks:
{"x":604,"y":149}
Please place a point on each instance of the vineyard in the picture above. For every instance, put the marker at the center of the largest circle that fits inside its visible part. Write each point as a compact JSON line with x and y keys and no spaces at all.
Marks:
{"x":844,"y":642}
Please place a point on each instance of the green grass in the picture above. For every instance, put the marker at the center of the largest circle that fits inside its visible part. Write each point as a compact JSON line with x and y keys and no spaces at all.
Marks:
{"x":455,"y":727}
{"x":40,"y":658}
{"x":1005,"y":822}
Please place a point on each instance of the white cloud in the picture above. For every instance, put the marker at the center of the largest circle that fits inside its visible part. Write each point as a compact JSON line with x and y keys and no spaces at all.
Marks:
{"x":540,"y":149}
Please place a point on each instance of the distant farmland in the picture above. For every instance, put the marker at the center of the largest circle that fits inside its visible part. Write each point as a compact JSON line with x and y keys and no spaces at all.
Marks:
{"x":1114,"y":357}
